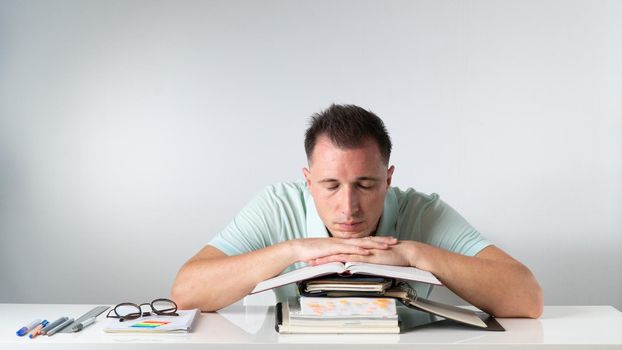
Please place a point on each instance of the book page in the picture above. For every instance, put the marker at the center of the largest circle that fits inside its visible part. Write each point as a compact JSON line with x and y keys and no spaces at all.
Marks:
{"x":299,"y":275}
{"x":449,"y":311}
{"x":400,"y":272}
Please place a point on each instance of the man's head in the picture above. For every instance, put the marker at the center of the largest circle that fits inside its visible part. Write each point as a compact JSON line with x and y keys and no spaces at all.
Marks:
{"x":348,"y":150}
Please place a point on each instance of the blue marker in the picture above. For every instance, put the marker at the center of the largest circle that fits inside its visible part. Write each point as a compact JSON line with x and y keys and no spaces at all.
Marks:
{"x":24,"y":330}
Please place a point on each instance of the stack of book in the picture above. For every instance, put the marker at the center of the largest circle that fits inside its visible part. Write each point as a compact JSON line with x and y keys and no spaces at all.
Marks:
{"x":339,"y":315}
{"x":359,"y":298}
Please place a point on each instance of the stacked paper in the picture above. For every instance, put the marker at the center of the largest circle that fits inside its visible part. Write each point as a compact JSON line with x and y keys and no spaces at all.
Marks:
{"x":340,"y":315}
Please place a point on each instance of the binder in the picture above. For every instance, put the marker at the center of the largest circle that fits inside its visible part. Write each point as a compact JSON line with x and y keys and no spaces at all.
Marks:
{"x":403,"y":292}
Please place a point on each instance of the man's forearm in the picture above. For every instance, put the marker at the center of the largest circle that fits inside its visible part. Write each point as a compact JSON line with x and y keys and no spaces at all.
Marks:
{"x":214,"y":282}
{"x":211,"y":280}
{"x":492,"y":281}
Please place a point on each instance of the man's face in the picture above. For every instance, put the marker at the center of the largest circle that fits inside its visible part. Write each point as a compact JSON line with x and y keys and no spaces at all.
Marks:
{"x":348,"y":186}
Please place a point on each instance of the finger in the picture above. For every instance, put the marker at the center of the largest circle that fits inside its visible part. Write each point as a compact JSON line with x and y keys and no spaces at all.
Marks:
{"x":334,"y":258}
{"x":360,"y":258}
{"x":365,"y":243}
{"x":384,"y":239}
{"x":349,"y":249}
{"x":371,"y":242}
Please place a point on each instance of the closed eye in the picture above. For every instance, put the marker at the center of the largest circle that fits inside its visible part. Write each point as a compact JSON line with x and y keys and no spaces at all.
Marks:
{"x":366,"y":185}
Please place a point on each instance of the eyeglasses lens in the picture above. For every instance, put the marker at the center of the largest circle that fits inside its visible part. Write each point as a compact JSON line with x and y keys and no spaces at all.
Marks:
{"x":127,"y":311}
{"x":163,"y":306}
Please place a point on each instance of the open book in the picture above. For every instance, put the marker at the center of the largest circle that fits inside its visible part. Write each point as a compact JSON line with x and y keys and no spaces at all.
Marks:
{"x":350,"y":268}
{"x":343,"y":284}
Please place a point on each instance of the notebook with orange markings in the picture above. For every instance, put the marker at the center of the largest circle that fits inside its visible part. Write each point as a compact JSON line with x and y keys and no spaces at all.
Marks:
{"x":154,"y":324}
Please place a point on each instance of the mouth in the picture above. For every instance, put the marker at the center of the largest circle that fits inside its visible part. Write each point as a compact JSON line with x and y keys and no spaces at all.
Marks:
{"x":350,"y":226}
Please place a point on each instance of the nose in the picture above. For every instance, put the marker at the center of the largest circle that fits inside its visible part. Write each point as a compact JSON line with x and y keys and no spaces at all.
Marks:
{"x":349,"y":202}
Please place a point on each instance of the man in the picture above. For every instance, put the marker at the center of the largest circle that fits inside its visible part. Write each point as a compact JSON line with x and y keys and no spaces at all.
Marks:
{"x":346,"y":210}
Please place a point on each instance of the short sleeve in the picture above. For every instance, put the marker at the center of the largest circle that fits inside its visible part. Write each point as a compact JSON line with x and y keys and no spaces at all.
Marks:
{"x":443,"y":227}
{"x":250,"y":229}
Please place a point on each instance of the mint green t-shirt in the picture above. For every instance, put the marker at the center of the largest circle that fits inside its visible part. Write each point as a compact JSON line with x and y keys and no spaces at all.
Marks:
{"x":287,"y":211}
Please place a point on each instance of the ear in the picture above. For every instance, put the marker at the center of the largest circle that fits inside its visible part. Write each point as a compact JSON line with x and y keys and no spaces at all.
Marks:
{"x":390,"y":175}
{"x":307,"y":175}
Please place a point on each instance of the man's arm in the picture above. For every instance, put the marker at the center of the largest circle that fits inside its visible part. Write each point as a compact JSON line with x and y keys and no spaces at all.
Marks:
{"x":492,"y":280}
{"x":212,"y":280}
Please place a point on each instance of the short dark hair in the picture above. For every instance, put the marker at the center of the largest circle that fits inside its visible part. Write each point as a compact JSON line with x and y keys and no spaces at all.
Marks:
{"x":348,"y":126}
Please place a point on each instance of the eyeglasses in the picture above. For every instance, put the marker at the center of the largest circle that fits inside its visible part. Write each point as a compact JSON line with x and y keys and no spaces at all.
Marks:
{"x":130,"y":311}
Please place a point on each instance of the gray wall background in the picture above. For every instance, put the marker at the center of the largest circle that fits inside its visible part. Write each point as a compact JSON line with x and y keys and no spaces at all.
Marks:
{"x":132,"y":131}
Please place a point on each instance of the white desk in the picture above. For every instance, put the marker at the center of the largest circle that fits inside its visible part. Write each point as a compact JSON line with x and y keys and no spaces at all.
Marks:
{"x":252,"y":327}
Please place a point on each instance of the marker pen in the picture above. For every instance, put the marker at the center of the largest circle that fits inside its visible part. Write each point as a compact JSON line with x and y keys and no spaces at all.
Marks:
{"x":83,"y":324}
{"x":37,"y":329}
{"x":52,"y":325}
{"x":24,"y":330}
{"x":60,"y":327}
